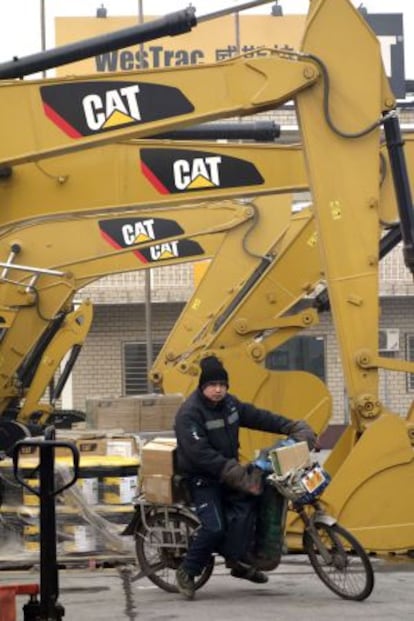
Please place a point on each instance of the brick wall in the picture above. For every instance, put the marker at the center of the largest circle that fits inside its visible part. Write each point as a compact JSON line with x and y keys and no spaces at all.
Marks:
{"x":98,"y":371}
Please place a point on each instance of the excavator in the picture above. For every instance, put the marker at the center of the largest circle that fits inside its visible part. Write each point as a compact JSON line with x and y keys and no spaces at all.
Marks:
{"x":90,"y":259}
{"x":340,"y":115}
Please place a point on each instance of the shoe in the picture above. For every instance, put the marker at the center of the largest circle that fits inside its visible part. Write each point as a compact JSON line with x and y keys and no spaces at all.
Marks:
{"x":185,"y":583}
{"x":246,"y":572}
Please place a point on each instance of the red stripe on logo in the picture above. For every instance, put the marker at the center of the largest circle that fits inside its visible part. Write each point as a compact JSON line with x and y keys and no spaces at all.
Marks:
{"x":115,"y":245}
{"x":147,"y":172}
{"x":60,"y":122}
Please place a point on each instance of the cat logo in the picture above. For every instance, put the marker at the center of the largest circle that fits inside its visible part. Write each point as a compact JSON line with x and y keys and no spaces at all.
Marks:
{"x":142,"y":231}
{"x":148,"y":238}
{"x":114,"y":108}
{"x":86,"y":108}
{"x":201,"y":172}
{"x":164,"y":251}
{"x":174,"y":171}
{"x":138,"y":232}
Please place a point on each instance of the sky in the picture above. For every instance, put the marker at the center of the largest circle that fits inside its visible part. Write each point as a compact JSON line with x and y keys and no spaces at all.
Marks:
{"x":20,"y":20}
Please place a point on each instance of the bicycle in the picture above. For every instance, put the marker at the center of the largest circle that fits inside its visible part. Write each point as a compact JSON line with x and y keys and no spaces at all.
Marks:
{"x":163,"y":532}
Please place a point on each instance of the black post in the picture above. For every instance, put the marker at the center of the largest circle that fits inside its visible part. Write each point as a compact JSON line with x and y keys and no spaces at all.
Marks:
{"x":48,"y":609}
{"x":49,"y":584}
{"x":395,"y":144}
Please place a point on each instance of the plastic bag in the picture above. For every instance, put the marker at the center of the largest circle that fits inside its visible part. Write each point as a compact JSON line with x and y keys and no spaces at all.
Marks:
{"x":270,"y":524}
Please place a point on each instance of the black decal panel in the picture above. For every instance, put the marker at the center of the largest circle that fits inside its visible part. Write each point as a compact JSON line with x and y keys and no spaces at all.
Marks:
{"x":172,"y":171}
{"x":133,"y":232}
{"x":87,"y":108}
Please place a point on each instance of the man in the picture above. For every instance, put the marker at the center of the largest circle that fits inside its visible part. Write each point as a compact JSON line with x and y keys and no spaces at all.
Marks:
{"x":223,"y":491}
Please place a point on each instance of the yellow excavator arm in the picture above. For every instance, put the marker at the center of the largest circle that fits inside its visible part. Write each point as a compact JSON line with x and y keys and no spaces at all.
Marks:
{"x":66,"y":342}
{"x":41,"y":278}
{"x":148,"y":173}
{"x":71,"y":114}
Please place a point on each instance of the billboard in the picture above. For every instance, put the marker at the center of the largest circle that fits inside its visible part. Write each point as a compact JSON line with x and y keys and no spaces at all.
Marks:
{"x":218,"y":40}
{"x":209,"y":42}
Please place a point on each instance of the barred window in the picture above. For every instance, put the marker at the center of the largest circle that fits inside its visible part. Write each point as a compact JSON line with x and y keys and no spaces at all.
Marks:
{"x":302,"y":353}
{"x":410,"y":357}
{"x":135,"y":380}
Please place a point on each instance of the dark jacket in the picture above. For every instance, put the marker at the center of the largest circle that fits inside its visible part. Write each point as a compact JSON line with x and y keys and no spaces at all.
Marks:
{"x":208,"y":433}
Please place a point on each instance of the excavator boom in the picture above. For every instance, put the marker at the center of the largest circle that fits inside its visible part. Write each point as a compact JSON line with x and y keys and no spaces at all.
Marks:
{"x":79,"y":113}
{"x":154,"y":174}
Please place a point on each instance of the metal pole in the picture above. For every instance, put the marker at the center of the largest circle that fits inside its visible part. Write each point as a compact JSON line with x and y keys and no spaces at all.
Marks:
{"x":29,"y":268}
{"x":141,"y":21}
{"x":239,"y":7}
{"x":148,"y":311}
{"x":237,"y":32}
{"x":148,"y":328}
{"x":237,"y":35}
{"x":43,"y":30}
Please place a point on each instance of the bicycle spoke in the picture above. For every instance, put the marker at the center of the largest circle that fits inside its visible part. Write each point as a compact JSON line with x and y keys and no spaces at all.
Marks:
{"x":161,"y":544}
{"x":348,"y":572}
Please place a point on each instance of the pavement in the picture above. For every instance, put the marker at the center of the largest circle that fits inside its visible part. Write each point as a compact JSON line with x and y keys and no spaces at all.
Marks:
{"x":293,"y":592}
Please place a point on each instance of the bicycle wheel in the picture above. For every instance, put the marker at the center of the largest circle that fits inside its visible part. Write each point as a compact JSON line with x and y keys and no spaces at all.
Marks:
{"x":340,"y":561}
{"x":161,"y":544}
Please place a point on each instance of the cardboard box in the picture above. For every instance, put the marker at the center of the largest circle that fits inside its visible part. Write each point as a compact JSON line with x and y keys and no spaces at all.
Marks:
{"x":123,"y":447}
{"x":158,"y":457}
{"x":87,"y":444}
{"x":288,"y":458}
{"x":119,"y":490}
{"x":32,"y":452}
{"x":79,"y":538}
{"x":116,"y":446}
{"x":91,"y":446}
{"x":160,"y":420}
{"x":141,"y":413}
{"x":158,"y":488}
{"x":89,"y":488}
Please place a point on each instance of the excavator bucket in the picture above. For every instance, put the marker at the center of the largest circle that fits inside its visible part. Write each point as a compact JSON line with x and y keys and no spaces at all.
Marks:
{"x":370,"y":488}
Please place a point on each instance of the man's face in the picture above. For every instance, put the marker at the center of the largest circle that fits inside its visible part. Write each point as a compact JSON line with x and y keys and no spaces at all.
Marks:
{"x":215,"y":391}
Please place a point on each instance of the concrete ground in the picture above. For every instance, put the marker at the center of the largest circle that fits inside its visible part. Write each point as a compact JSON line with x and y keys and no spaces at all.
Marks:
{"x":292,"y":593}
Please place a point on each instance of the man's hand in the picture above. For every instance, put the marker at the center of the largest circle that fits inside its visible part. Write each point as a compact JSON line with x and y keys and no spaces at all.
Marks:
{"x":243,"y":478}
{"x":264,"y":464}
{"x":302,"y":432}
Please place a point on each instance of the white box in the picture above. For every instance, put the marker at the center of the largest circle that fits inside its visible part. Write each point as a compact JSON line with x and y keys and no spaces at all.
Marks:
{"x":288,"y":458}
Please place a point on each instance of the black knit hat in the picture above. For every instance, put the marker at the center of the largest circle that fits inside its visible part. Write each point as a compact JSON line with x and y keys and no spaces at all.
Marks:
{"x":212,"y":371}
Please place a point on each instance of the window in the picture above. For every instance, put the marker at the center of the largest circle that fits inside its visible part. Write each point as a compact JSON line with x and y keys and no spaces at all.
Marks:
{"x":135,"y":367}
{"x":302,"y":353}
{"x":410,"y":357}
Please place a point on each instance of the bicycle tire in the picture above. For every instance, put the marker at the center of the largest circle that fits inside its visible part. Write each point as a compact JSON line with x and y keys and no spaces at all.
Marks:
{"x":349,"y":571}
{"x":160,"y":563}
